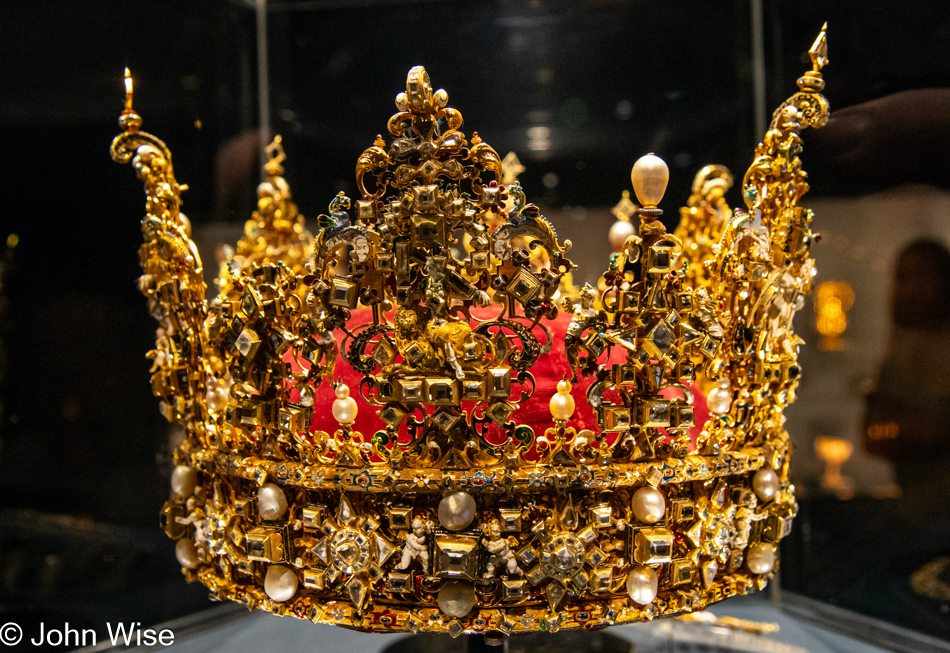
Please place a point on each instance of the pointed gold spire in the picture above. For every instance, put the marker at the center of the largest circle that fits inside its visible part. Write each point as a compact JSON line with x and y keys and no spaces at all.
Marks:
{"x":129,"y":121}
{"x":819,"y":50}
{"x":128,"y":89}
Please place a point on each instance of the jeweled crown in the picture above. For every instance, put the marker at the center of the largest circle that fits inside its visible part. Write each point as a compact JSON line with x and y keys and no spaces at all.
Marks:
{"x":391,"y":425}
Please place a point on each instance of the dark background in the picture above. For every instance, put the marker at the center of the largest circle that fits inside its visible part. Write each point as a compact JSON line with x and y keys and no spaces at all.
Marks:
{"x":83,"y":449}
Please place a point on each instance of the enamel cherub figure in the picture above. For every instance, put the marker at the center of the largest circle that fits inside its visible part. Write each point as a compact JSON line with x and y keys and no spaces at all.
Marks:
{"x":416,"y":547}
{"x":501,"y":555}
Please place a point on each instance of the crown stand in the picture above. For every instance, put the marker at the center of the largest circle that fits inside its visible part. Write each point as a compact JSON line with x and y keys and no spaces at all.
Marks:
{"x":563,"y":642}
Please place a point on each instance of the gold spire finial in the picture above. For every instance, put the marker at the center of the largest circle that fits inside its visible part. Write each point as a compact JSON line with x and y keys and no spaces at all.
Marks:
{"x":128,"y":89}
{"x":275,"y":157}
{"x":819,"y":50}
{"x":129,"y":121}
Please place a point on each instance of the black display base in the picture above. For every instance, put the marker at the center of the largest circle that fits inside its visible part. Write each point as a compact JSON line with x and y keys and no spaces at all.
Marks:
{"x":562,"y":642}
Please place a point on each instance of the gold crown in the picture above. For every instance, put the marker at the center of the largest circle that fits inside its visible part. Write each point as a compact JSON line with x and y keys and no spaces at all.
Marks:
{"x":478,"y":499}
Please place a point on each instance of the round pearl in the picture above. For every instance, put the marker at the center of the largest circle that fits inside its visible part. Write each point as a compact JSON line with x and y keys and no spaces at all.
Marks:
{"x":760,"y":558}
{"x":457,"y":511}
{"x":280,"y":583}
{"x":619,"y":232}
{"x":456,"y":598}
{"x":271,"y":502}
{"x":765,"y":483}
{"x":642,"y":584}
{"x":719,"y":401}
{"x":649,"y":505}
{"x":344,"y":406}
{"x":562,"y":404}
{"x":184,"y":481}
{"x":186,"y":553}
{"x":218,"y":398}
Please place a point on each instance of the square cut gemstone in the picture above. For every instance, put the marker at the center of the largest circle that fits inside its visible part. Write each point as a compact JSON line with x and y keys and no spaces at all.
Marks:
{"x":512,"y":589}
{"x":616,"y":418}
{"x":654,"y":546}
{"x":414,"y":353}
{"x":385,"y":352}
{"x":524,"y":286}
{"x":456,"y":558}
{"x":445,"y":420}
{"x":481,"y":260}
{"x":441,"y":392}
{"x":499,"y":412}
{"x":392,"y":416}
{"x":660,"y":339}
{"x":385,"y":390}
{"x":343,"y":293}
{"x":473,"y":390}
{"x":426,"y":196}
{"x":499,"y":379}
{"x":411,"y":390}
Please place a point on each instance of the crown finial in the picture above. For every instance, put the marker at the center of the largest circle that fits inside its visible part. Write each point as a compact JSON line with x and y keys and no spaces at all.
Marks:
{"x":129,"y":121}
{"x":819,"y":50}
{"x":275,"y":157}
{"x":650,"y":175}
{"x":128,"y":89}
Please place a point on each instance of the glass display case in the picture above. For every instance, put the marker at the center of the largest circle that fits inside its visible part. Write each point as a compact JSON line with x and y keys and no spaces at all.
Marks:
{"x":578,"y":91}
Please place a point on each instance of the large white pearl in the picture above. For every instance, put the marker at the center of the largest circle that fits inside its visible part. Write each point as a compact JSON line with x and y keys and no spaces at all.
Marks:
{"x":642,"y":584}
{"x":719,"y":401}
{"x":760,"y":558}
{"x":218,"y":398}
{"x":186,"y":553}
{"x":456,"y":511}
{"x":562,"y":404}
{"x":344,"y":406}
{"x":619,"y":232}
{"x":765,"y":483}
{"x":456,"y":598}
{"x":184,"y":481}
{"x":649,"y":505}
{"x":280,"y":583}
{"x":271,"y":502}
{"x":650,"y":175}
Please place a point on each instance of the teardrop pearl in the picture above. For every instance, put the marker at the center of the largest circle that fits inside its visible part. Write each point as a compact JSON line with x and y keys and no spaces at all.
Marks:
{"x":650,"y":175}
{"x":186,"y":553}
{"x":271,"y":502}
{"x":765,"y":484}
{"x":184,"y":481}
{"x":457,"y":511}
{"x":280,"y":583}
{"x":344,"y":406}
{"x":562,"y":404}
{"x":649,"y":505}
{"x":760,"y":558}
{"x":642,"y":584}
{"x":456,"y":598}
